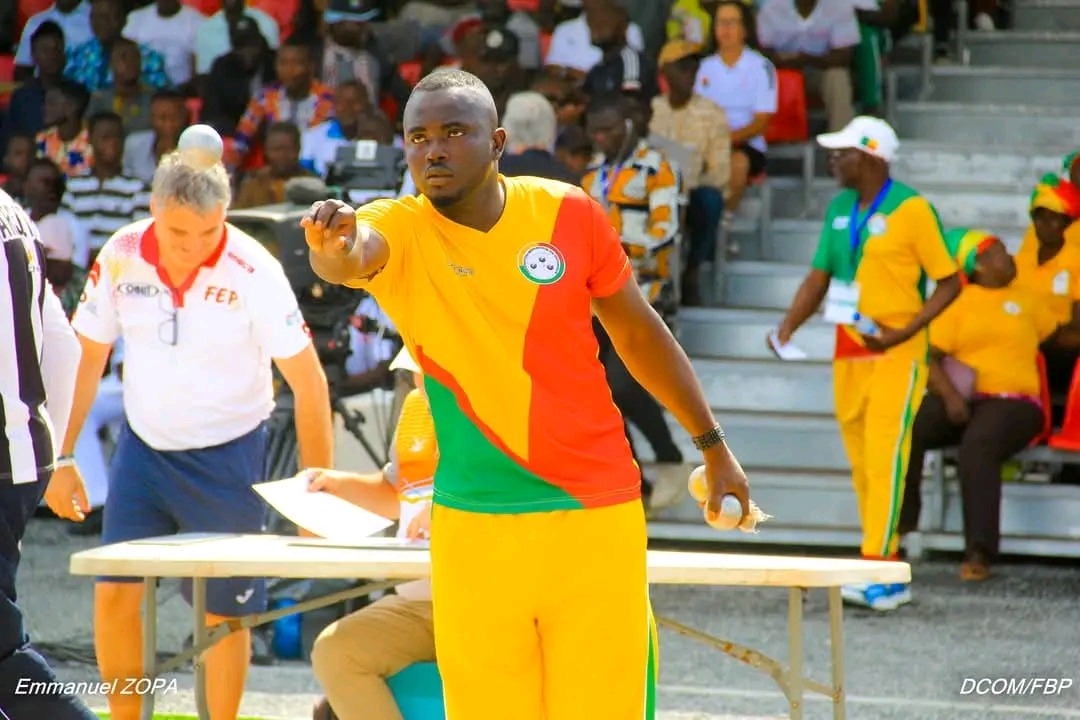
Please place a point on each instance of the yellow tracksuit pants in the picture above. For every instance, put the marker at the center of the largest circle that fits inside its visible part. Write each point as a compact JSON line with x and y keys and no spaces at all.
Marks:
{"x":544,"y":616}
{"x":876,"y":402}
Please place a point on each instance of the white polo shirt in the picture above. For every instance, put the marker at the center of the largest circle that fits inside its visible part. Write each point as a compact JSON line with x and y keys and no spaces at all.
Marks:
{"x":831,"y":25}
{"x":571,"y":44}
{"x":174,"y":37}
{"x":197,"y":360}
{"x":743,"y":90}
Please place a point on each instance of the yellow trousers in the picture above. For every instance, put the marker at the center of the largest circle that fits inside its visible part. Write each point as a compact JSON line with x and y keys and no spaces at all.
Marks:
{"x":544,"y":616}
{"x":876,"y":402}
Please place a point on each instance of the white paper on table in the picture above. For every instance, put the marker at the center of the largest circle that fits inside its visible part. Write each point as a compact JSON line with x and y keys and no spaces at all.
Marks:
{"x":326,"y":515}
{"x":785,"y":352}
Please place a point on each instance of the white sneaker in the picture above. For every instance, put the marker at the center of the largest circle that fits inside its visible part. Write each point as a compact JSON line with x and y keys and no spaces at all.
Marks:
{"x":876,"y":596}
{"x":669,"y":484}
{"x":984,"y":23}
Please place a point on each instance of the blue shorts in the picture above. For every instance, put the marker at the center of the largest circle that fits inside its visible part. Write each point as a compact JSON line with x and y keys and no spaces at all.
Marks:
{"x":154,"y":493}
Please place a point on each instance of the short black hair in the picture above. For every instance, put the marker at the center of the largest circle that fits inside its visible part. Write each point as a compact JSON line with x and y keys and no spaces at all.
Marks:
{"x":105,"y":116}
{"x":356,"y":84}
{"x":625,"y":104}
{"x":76,"y":92}
{"x":447,"y":78}
{"x":61,"y":181}
{"x":284,"y":128}
{"x":295,"y":41}
{"x":167,"y":93}
{"x":28,"y":136}
{"x":46,"y":29}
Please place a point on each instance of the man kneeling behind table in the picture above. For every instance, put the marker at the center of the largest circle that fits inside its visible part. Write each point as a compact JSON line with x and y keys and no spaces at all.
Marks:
{"x":353,"y":657}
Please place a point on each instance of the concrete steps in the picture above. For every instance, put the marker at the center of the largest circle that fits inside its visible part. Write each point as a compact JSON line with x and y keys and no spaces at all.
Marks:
{"x":1046,"y":15}
{"x":1022,"y":48}
{"x":987,"y":125}
{"x":767,"y":387}
{"x":716,"y":333}
{"x":1059,"y":87}
{"x":761,"y":285}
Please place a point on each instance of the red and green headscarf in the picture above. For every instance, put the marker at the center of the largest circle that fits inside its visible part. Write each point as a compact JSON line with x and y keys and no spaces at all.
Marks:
{"x":1056,"y":194}
{"x":1068,"y":162}
{"x":965,"y":245}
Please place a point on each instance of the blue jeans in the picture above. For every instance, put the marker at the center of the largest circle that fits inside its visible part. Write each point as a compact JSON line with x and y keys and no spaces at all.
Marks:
{"x":703,"y":216}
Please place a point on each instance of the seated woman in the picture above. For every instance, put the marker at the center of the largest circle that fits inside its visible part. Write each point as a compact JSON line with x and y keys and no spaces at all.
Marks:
{"x":991,"y":332}
{"x":1048,"y":267}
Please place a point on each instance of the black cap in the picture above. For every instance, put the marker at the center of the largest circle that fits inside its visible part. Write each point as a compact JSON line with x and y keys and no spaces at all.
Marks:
{"x":500,"y":44}
{"x":245,"y":31}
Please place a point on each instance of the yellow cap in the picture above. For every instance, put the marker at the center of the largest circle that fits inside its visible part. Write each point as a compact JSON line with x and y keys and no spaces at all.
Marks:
{"x":676,"y":50}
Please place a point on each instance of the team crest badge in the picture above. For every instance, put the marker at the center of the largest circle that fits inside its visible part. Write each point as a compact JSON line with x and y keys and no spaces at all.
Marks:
{"x":876,"y":224}
{"x":541,"y":263}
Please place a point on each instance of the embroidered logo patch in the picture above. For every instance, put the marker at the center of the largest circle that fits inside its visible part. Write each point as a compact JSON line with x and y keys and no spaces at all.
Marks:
{"x":541,"y":263}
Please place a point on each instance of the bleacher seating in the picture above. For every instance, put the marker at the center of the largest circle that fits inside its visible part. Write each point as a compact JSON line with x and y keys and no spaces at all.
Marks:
{"x":975,"y":137}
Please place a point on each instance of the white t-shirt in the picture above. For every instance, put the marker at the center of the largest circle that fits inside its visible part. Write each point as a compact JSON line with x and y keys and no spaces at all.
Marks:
{"x":214,"y":40}
{"x":571,"y":45}
{"x":743,"y":90}
{"x":832,"y":24}
{"x":368,"y":349}
{"x":214,"y":383}
{"x":75,"y":26}
{"x":174,"y":37}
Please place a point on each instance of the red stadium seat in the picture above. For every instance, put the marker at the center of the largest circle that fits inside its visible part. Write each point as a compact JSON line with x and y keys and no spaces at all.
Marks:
{"x":7,"y":79}
{"x":1047,"y":402}
{"x":790,"y":123}
{"x":26,"y":10}
{"x":1068,"y":438}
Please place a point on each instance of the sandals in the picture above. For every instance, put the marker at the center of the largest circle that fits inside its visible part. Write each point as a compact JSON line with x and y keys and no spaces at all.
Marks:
{"x":974,"y":568}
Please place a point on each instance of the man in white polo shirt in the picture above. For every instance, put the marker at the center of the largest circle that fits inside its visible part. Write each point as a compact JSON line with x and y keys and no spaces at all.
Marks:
{"x":818,"y":38}
{"x":203,"y":310}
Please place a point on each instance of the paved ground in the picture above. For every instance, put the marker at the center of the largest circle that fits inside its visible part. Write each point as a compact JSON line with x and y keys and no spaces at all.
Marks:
{"x":910,"y":665}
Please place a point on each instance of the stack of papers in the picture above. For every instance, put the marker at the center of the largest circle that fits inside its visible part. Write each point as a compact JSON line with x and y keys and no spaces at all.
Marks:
{"x":785,"y":352}
{"x":321,"y":513}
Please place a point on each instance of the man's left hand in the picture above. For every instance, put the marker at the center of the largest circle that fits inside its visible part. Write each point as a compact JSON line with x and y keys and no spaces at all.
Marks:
{"x":885,"y":338}
{"x":725,"y":476}
{"x":420,"y":526}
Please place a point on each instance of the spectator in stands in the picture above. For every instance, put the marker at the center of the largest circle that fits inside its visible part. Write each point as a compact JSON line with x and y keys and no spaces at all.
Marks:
{"x":266,"y":186}
{"x":640,"y":192}
{"x":531,"y":129}
{"x":351,"y":51}
{"x":700,"y":126}
{"x":435,"y":16}
{"x":64,"y":139}
{"x":373,"y":341}
{"x":143,"y":150}
{"x":743,"y":82}
{"x":237,"y":76}
{"x":985,"y":391}
{"x":44,"y":189}
{"x":565,"y":95}
{"x":73,"y":19}
{"x":26,"y":111}
{"x":573,"y":148}
{"x":58,"y":238}
{"x":127,"y":97}
{"x":1048,"y":267}
{"x":876,"y":18}
{"x":880,"y":242}
{"x":571,"y":44}
{"x":496,"y":14}
{"x":171,"y":29}
{"x":621,"y":68}
{"x":692,"y":20}
{"x":88,"y":63}
{"x":215,"y":40}
{"x":105,"y":200}
{"x":496,"y":64}
{"x":297,"y":97}
{"x":355,"y":118}
{"x":817,"y":37}
{"x":17,"y":158}
{"x":353,"y":656}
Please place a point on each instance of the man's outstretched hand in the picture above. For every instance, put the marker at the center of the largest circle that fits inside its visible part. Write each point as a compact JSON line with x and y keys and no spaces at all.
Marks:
{"x":330,"y":229}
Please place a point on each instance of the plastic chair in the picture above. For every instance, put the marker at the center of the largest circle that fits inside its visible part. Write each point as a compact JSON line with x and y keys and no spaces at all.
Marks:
{"x":26,"y":9}
{"x":7,"y":79}
{"x":194,"y":107}
{"x":1068,"y":438}
{"x":410,"y":71}
{"x":417,"y":690}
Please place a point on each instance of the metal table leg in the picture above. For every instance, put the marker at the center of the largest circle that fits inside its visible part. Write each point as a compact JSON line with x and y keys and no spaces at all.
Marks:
{"x":198,"y":597}
{"x":149,"y":643}
{"x":836,"y":645}
{"x":795,"y":653}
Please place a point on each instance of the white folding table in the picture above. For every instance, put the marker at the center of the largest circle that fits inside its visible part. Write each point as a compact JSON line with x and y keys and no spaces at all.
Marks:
{"x":201,"y":557}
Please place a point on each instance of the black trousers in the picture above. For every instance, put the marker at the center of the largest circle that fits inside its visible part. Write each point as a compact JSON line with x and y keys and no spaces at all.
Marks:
{"x":24,"y":674}
{"x":998,"y":429}
{"x":635,"y":403}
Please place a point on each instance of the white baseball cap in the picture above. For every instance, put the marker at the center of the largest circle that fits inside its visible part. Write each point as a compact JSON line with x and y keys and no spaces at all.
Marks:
{"x":872,"y":135}
{"x":404,"y":361}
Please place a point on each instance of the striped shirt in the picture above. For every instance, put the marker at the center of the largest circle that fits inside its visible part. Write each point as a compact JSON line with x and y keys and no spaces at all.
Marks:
{"x":40,"y":353}
{"x":102,"y":207}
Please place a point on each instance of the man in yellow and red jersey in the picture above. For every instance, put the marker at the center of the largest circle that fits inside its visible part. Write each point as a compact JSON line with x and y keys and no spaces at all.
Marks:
{"x":538,"y":552}
{"x":880,"y":244}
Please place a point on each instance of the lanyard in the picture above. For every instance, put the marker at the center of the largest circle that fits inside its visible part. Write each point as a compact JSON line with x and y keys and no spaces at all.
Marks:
{"x":607,"y":182}
{"x":857,"y":228}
